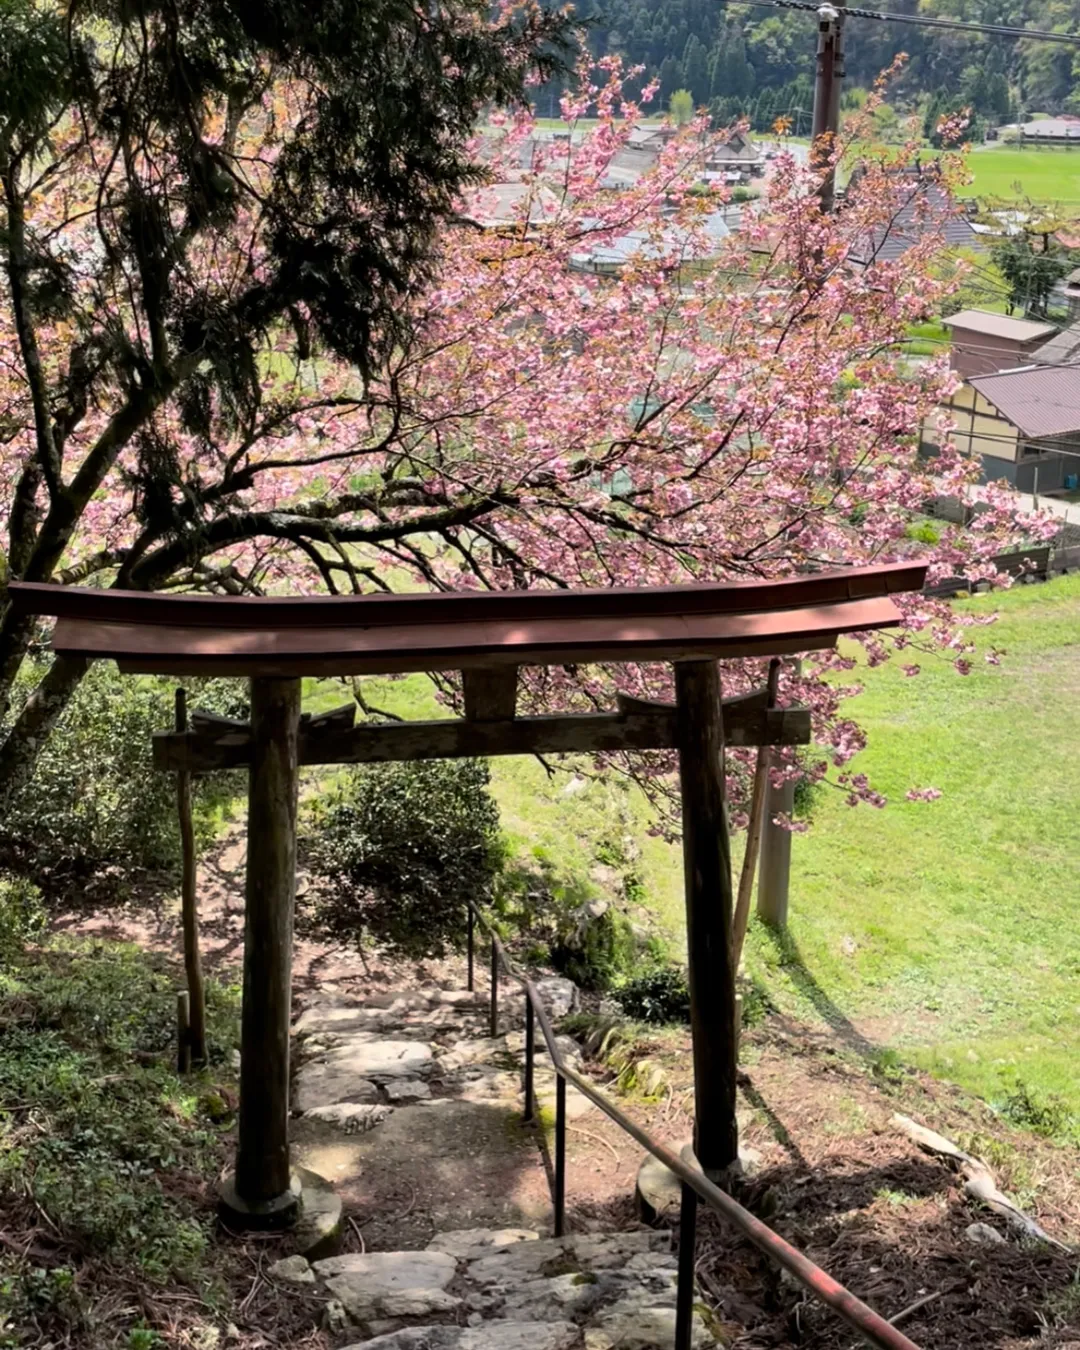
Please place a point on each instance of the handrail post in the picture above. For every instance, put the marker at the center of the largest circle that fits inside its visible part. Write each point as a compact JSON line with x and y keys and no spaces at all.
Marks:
{"x":560,"y":1154}
{"x":494,"y":987}
{"x":530,"y":1050}
{"x":684,"y":1295}
{"x":471,"y":942}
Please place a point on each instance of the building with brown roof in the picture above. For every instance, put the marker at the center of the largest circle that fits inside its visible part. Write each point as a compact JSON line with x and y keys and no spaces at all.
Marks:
{"x":984,"y":342}
{"x":1018,"y":409}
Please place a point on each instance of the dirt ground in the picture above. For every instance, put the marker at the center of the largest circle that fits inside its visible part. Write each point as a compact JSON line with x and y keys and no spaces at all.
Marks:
{"x":836,"y":1178}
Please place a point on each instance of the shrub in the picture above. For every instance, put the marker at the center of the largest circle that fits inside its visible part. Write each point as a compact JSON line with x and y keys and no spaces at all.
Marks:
{"x":95,"y":810}
{"x":594,"y":949}
{"x":661,"y":994}
{"x":396,"y":850}
{"x":106,"y":1140}
{"x":22,"y":916}
{"x":924,"y":532}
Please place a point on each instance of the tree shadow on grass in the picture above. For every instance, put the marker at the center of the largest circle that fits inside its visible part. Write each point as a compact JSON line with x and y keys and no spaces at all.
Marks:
{"x":790,"y":960}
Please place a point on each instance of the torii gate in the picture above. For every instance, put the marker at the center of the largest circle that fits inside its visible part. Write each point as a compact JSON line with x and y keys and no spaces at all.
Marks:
{"x":487,"y":636}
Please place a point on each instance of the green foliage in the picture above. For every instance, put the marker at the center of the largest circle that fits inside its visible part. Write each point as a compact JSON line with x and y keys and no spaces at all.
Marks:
{"x":980,"y":283}
{"x":1031,"y":272}
{"x":806,"y":796}
{"x":681,"y":107}
{"x":101,"y":1123}
{"x":925,"y":532}
{"x":45,"y":1299}
{"x":587,"y":937}
{"x":1044,"y":1113}
{"x":658,"y":995}
{"x":757,"y":1003}
{"x":22,"y":916}
{"x":594,"y":949}
{"x":622,"y":1046}
{"x":95,"y":810}
{"x":872,"y":892}
{"x":34,"y":80}
{"x":396,"y":851}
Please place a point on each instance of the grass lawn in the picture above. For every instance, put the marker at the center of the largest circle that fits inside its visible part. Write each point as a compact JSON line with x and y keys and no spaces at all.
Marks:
{"x":1044,"y":175}
{"x":926,"y":339}
{"x":947,"y":929}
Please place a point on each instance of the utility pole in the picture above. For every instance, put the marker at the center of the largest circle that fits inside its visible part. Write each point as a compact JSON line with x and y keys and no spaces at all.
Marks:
{"x":830,"y":74}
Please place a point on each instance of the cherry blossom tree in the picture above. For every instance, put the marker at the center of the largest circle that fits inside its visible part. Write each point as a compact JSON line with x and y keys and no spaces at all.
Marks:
{"x":199,"y":199}
{"x":590,"y":387}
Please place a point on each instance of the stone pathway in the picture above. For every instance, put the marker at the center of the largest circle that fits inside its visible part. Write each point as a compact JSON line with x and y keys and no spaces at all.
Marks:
{"x":504,"y":1289}
{"x":413,"y":1111}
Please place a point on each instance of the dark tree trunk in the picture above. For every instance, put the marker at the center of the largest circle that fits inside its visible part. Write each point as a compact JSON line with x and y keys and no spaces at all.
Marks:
{"x":40,"y":713}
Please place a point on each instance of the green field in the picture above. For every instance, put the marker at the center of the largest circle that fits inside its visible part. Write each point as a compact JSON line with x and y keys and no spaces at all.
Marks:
{"x":946,"y":930}
{"x":1044,"y":175}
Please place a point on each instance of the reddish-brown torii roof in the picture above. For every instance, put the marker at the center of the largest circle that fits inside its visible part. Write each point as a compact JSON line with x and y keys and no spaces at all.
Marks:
{"x":151,"y":633}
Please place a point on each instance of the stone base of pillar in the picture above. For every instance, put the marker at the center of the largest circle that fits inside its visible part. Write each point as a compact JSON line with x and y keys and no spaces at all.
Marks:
{"x":280,"y":1211}
{"x":659,"y":1190}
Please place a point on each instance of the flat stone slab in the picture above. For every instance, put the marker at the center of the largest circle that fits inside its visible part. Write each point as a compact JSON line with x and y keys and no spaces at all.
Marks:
{"x":408,"y":1090}
{"x":466,"y":1053}
{"x":497,"y":1335}
{"x":378,"y":1057}
{"x":390,"y":1284}
{"x":469,"y":1244}
{"x":567,"y":1255}
{"x":350,"y":1117}
{"x":339,"y":1018}
{"x":326,"y":1084}
{"x":581,"y":1294}
{"x":483,"y":1083}
{"x":634,"y":1326}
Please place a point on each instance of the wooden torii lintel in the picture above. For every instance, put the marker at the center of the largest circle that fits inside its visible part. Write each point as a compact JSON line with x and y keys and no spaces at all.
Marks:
{"x":220,"y":743}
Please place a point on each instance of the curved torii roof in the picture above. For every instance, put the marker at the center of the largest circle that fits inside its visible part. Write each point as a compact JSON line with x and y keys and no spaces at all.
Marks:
{"x":152,"y":633}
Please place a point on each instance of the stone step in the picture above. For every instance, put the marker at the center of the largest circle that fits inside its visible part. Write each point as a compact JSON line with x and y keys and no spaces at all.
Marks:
{"x":496,"y":1335}
{"x":510,"y":1288}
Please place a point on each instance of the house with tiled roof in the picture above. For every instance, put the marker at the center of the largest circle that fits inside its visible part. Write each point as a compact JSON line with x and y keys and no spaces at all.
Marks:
{"x":927,"y":208}
{"x":1018,"y":408}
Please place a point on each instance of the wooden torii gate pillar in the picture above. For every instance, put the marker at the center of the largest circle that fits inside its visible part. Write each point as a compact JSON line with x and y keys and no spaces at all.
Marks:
{"x":264,"y":1186}
{"x":486,"y":636}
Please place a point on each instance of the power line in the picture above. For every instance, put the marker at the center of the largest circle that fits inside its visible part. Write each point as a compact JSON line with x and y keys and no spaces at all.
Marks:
{"x":923,"y":21}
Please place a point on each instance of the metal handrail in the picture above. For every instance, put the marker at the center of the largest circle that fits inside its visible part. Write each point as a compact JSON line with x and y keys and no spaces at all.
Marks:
{"x":871,"y":1326}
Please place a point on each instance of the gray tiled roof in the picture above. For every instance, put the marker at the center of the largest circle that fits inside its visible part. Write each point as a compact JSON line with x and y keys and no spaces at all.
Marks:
{"x":1038,"y":400}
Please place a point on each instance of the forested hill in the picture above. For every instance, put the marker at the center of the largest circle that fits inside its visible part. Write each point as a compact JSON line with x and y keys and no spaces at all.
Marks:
{"x":732,"y":55}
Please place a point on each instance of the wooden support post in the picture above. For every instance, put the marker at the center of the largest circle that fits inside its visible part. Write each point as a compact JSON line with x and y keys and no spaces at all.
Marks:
{"x":753,"y":833}
{"x":264,"y":1187}
{"x":490,"y":695}
{"x":775,"y":870}
{"x":707,"y":868}
{"x":772,"y":896}
{"x":183,"y":1033}
{"x":189,"y":905}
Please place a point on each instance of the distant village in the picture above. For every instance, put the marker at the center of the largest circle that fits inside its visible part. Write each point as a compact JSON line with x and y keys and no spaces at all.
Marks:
{"x":1018,"y":407}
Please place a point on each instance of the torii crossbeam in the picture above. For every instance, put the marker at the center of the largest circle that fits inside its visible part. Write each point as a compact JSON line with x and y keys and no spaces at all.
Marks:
{"x":488,"y":636}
